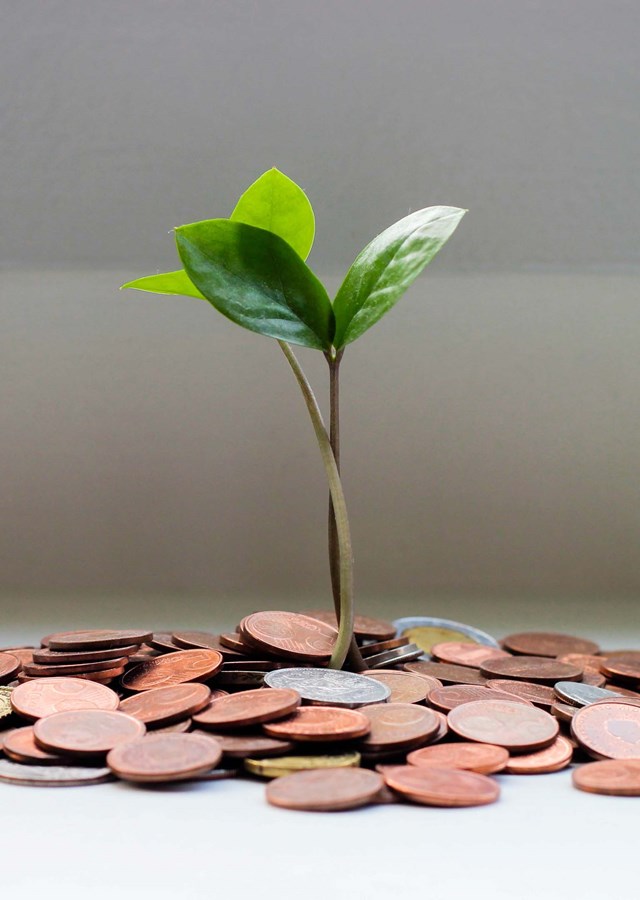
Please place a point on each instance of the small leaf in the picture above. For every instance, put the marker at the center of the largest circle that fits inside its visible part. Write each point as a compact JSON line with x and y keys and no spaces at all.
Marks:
{"x":276,"y":203}
{"x":384,"y":270}
{"x":167,"y":283}
{"x":257,"y":280}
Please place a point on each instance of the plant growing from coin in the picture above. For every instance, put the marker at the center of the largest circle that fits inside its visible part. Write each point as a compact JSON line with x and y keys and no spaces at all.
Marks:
{"x":251,"y":267}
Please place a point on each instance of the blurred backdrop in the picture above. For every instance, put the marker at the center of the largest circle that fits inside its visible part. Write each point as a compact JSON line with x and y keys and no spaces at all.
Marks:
{"x":490,"y":423}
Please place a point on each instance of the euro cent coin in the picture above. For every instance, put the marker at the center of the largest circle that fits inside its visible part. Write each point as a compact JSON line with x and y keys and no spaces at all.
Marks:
{"x":46,"y":696}
{"x":173,"y":668}
{"x":325,"y":790}
{"x":329,"y":687}
{"x":511,"y":725}
{"x":165,"y":757}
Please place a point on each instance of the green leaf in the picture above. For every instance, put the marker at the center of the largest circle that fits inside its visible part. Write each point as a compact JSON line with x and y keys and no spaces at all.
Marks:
{"x":387,"y":267}
{"x":276,"y":203}
{"x":166,"y":283}
{"x":257,"y":280}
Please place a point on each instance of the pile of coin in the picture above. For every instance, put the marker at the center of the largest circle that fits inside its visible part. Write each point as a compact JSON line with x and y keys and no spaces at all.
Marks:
{"x":441,"y":712}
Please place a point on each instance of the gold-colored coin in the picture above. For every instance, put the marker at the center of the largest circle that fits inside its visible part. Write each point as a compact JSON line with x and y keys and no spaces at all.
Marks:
{"x":427,"y":636}
{"x":5,"y":702}
{"x":286,"y":765}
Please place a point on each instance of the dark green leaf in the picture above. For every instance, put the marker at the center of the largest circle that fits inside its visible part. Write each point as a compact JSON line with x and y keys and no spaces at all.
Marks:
{"x":166,"y":283}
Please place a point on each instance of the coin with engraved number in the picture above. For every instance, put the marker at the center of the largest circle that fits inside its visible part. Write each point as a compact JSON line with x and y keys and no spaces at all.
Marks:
{"x":510,"y":725}
{"x":530,"y":668}
{"x":542,"y":643}
{"x":20,"y":746}
{"x":446,"y":673}
{"x":289,"y":635}
{"x":404,"y":687}
{"x":539,"y":694}
{"x":165,"y":757}
{"x":619,"y":777}
{"x":609,"y":730}
{"x":398,"y":726}
{"x":86,"y":732}
{"x":285,"y":765}
{"x":581,"y":694}
{"x":425,"y":631}
{"x":46,"y":696}
{"x":435,"y":786}
{"x":173,"y":668}
{"x":553,"y":758}
{"x":364,"y":627}
{"x":166,"y":705}
{"x":52,"y":776}
{"x":325,"y":790}
{"x":248,"y":708}
{"x":485,"y":759}
{"x":464,"y":653}
{"x":329,"y":687}
{"x":93,"y":640}
{"x":447,"y":698}
{"x":320,"y":723}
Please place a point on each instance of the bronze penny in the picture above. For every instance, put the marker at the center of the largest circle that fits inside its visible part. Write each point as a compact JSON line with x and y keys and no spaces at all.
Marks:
{"x":45,"y":696}
{"x":75,"y":668}
{"x":167,"y":705}
{"x":624,"y":667}
{"x":86,"y":732}
{"x":95,"y":640}
{"x":177,"y":728}
{"x":233,"y":643}
{"x":173,"y":668}
{"x":540,"y":643}
{"x":22,"y":654}
{"x":485,"y":759}
{"x":553,"y":758}
{"x":47,"y":657}
{"x":320,"y":723}
{"x":434,"y":786}
{"x":563,"y":711}
{"x":325,"y":790}
{"x":608,"y":729}
{"x":443,"y":727}
{"x":464,"y":653}
{"x":447,"y":698}
{"x":162,"y":641}
{"x":9,"y":667}
{"x":595,"y":679}
{"x":196,"y":640}
{"x":165,"y":757}
{"x":104,"y":676}
{"x":289,"y":635}
{"x":20,"y":746}
{"x":510,"y":725}
{"x":623,"y":691}
{"x":445,"y":673}
{"x":241,"y":746}
{"x":619,"y":777}
{"x":398,"y":726}
{"x":382,"y":646}
{"x":531,"y":668}
{"x":538,"y":694}
{"x":404,"y":687}
{"x":248,"y":708}
{"x":364,"y":627}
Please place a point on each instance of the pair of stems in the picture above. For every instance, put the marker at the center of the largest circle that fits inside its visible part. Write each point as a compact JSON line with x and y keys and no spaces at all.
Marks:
{"x":340,"y":552}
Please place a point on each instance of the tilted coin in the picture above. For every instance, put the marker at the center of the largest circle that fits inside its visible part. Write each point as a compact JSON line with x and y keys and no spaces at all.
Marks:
{"x":398,"y":726}
{"x":52,"y":776}
{"x":289,"y":635}
{"x":20,"y":746}
{"x":96,"y":639}
{"x":329,"y":687}
{"x":76,"y":668}
{"x":196,"y":640}
{"x":447,"y":698}
{"x":425,"y":631}
{"x":45,"y":656}
{"x":435,"y":786}
{"x":22,"y":654}
{"x":624,"y":668}
{"x":403,"y":686}
{"x":619,"y":777}
{"x":542,"y":643}
{"x":609,"y":730}
{"x":464,"y":653}
{"x":9,"y":667}
{"x":177,"y":727}
{"x":446,"y":673}
{"x":163,"y":641}
{"x":553,"y":758}
{"x":564,"y":711}
{"x":165,"y":757}
{"x":581,"y":694}
{"x":539,"y":694}
{"x":324,"y":790}
{"x":407,"y":653}
{"x":46,"y":696}
{"x":166,"y":705}
{"x":623,"y":691}
{"x":485,"y":759}
{"x":595,"y":679}
{"x":173,"y":668}
{"x":510,"y":725}
{"x":234,"y":643}
{"x":320,"y":723}
{"x":364,"y":627}
{"x":285,"y":765}
{"x":86,"y":732}
{"x":248,"y":708}
{"x":530,"y":668}
{"x":241,"y":746}
{"x":372,"y":648}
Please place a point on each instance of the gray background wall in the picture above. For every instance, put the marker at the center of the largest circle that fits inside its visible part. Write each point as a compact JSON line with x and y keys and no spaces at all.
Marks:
{"x":490,"y":422}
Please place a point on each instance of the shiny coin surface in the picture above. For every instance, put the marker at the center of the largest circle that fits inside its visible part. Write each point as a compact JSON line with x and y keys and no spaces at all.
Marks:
{"x":165,"y":757}
{"x":371,"y":649}
{"x":52,"y":776}
{"x":446,"y":673}
{"x":435,"y":786}
{"x":581,"y":694}
{"x":240,"y":746}
{"x":97,"y":639}
{"x":447,"y":698}
{"x":166,"y":705}
{"x":608,"y":730}
{"x":463,"y":653}
{"x":320,"y":723}
{"x":324,"y":790}
{"x":542,"y":643}
{"x":485,"y":759}
{"x":173,"y":668}
{"x":510,"y":725}
{"x":619,"y":777}
{"x":46,"y":696}
{"x":425,"y":631}
{"x":403,"y":686}
{"x":20,"y":746}
{"x":539,"y":694}
{"x":86,"y":732}
{"x":9,"y":667}
{"x":407,"y":653}
{"x":398,"y":726}
{"x":289,"y":635}
{"x":248,"y":708}
{"x":329,"y":687}
{"x":530,"y":668}
{"x":553,"y":758}
{"x":286,"y":765}
{"x":364,"y":627}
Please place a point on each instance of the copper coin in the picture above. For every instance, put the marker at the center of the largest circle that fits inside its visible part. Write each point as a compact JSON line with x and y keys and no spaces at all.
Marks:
{"x":623,"y":667}
{"x":398,"y":726}
{"x":166,"y":705}
{"x":289,"y":635}
{"x":373,"y":649}
{"x":75,"y":668}
{"x":443,"y":727}
{"x":20,"y":746}
{"x":86,"y":732}
{"x":510,"y":725}
{"x":241,"y":746}
{"x":620,"y":777}
{"x":248,"y":708}
{"x":364,"y":627}
{"x":95,"y":640}
{"x":623,"y":691}
{"x":173,"y":668}
{"x":9,"y":667}
{"x":447,"y":698}
{"x":539,"y":643}
{"x":47,"y":657}
{"x":464,"y":653}
{"x":538,"y":694}
{"x":588,"y":662}
{"x":325,"y":790}
{"x":177,"y":728}
{"x":485,"y":759}
{"x":551,"y":759}
{"x":22,"y":654}
{"x":563,"y":711}
{"x":46,"y":696}
{"x":104,"y":676}
{"x":435,"y":786}
{"x":196,"y":640}
{"x":595,"y":679}
{"x":234,"y":643}
{"x":320,"y":723}
{"x":608,"y":729}
{"x":530,"y":668}
{"x":165,"y":757}
{"x":446,"y":673}
{"x":163,"y":641}
{"x":404,"y":687}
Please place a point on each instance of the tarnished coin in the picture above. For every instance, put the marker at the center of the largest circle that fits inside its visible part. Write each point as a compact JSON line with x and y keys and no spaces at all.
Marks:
{"x":485,"y":759}
{"x":464,"y":653}
{"x":94,"y":640}
{"x":86,"y":732}
{"x":588,"y":662}
{"x":435,"y":786}
{"x":446,"y":673}
{"x":165,"y":757}
{"x":530,"y":668}
{"x":46,"y":696}
{"x":240,"y":678}
{"x":510,"y":725}
{"x":20,"y":746}
{"x":173,"y":668}
{"x":286,"y":765}
{"x":364,"y":627}
{"x":551,"y":759}
{"x":609,"y":730}
{"x":166,"y":705}
{"x":539,"y":694}
{"x":403,"y":686}
{"x":83,"y":668}
{"x":248,"y":708}
{"x":407,"y":653}
{"x":163,"y":641}
{"x":329,"y":687}
{"x":289,"y":635}
{"x":325,"y":790}
{"x":623,"y":691}
{"x":398,"y":726}
{"x":47,"y":657}
{"x":241,"y":746}
{"x":581,"y":694}
{"x":425,"y":631}
{"x":52,"y":776}
{"x":447,"y":698}
{"x":9,"y":667}
{"x":620,"y":777}
{"x":542,"y":643}
{"x":321,"y":723}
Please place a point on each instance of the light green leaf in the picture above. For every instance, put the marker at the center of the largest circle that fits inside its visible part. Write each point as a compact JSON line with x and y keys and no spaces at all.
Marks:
{"x":166,"y":283}
{"x":387,"y":267}
{"x":257,"y":280}
{"x":276,"y":203}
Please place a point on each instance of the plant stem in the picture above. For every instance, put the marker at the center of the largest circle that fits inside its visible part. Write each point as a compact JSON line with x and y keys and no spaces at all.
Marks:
{"x":345,"y":627}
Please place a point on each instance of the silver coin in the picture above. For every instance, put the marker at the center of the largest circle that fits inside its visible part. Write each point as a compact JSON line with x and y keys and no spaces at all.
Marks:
{"x":330,"y":687}
{"x":474,"y":634}
{"x":392,"y":657}
{"x":52,"y":776}
{"x":582,"y":694}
